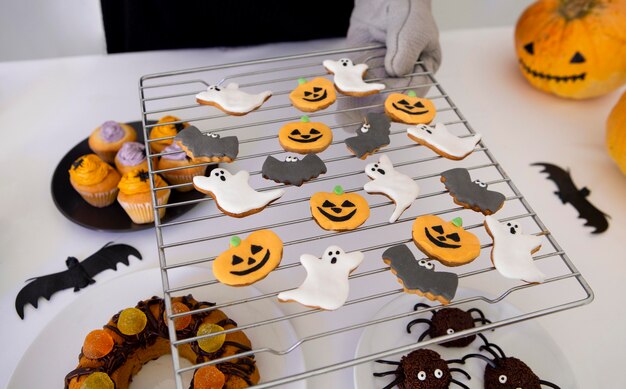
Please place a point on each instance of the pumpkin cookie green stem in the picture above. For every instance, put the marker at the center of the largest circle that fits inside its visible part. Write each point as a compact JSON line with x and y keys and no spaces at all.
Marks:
{"x":302,"y":81}
{"x":338,"y":190}
{"x":411,"y":93}
{"x":304,"y":119}
{"x":457,"y":221}
{"x":235,"y":241}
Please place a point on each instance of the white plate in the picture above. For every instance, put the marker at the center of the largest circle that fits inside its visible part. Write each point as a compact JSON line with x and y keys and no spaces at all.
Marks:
{"x":526,"y":341}
{"x":55,"y":351}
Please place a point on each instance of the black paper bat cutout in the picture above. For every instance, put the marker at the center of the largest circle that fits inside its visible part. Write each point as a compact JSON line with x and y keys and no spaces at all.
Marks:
{"x":78,"y":274}
{"x":293,"y":171}
{"x":569,"y":193}
{"x":207,"y":146}
{"x":471,"y":194}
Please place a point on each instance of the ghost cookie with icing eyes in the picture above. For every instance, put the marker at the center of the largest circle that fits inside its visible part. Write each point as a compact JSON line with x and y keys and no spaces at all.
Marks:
{"x":386,"y":180}
{"x":512,"y":251}
{"x":349,"y":77}
{"x":326,"y":285}
{"x":232,"y":193}
{"x":232,"y":100}
{"x":442,"y":142}
{"x":373,"y":135}
{"x":293,"y":171}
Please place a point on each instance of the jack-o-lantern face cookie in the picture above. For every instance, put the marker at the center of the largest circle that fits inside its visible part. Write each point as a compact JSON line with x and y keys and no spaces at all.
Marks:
{"x":311,"y":96}
{"x":409,"y":108}
{"x":305,"y":136}
{"x":249,"y":260}
{"x":445,"y":241}
{"x":339,"y":211}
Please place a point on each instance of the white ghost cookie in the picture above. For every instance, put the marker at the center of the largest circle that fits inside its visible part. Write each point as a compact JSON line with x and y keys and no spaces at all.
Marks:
{"x":512,"y":251}
{"x":442,"y":142}
{"x":349,"y":77}
{"x":232,"y":100}
{"x":400,"y":188}
{"x":326,"y":285}
{"x":232,"y":193}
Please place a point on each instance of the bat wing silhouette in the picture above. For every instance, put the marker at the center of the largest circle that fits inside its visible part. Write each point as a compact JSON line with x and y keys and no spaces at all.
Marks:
{"x":568,"y":192}
{"x":294,"y":173}
{"x":78,"y":275}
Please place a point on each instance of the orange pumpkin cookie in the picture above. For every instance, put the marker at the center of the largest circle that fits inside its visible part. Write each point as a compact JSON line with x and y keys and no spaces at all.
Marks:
{"x":339,"y":211}
{"x":409,"y":108}
{"x":250,"y":260}
{"x":445,"y":241}
{"x":305,"y":137}
{"x":311,"y":96}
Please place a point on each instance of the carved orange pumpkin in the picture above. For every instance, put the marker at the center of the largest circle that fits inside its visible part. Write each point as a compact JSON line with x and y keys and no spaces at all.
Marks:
{"x":305,"y":137}
{"x":339,"y":211}
{"x":409,"y":108}
{"x":616,"y":133}
{"x":573,"y":48}
{"x":311,"y":96}
{"x":249,"y":260}
{"x":445,"y":241}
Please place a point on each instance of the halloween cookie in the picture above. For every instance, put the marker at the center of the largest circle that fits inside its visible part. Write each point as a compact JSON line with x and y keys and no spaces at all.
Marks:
{"x":305,"y":136}
{"x":293,"y":171}
{"x":373,"y":134}
{"x":249,"y":260}
{"x":326,"y":285}
{"x":420,"y":277}
{"x":471,"y":194}
{"x":349,"y":77}
{"x":400,"y":188}
{"x":442,"y":142}
{"x":232,"y":193}
{"x":445,"y":241}
{"x":311,"y":96}
{"x":512,"y":251}
{"x":339,"y":211}
{"x":409,"y":108}
{"x":231,"y":100}
{"x":207,"y":147}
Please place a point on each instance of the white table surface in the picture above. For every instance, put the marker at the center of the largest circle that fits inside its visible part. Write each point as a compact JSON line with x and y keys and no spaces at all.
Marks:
{"x":48,"y":106}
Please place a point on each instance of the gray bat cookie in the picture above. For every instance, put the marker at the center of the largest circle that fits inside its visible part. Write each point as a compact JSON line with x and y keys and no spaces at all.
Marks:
{"x":420,"y":277}
{"x":292,"y":170}
{"x":471,"y":194}
{"x":372,"y":135}
{"x":207,"y":147}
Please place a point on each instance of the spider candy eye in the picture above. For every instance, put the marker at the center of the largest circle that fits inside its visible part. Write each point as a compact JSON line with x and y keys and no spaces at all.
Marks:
{"x":502,"y":379}
{"x":438,"y":373}
{"x":421,"y":376}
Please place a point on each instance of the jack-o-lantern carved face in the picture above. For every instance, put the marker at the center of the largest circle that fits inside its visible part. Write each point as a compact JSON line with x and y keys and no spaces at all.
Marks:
{"x":305,"y":137}
{"x":445,"y":241}
{"x":249,"y":260}
{"x":409,"y":108}
{"x":339,"y":211}
{"x":573,"y":48}
{"x":311,"y":96}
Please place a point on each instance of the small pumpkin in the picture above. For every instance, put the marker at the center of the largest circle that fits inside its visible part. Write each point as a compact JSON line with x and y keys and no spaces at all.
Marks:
{"x":339,"y":211}
{"x":305,"y":136}
{"x":573,"y":48}
{"x":409,"y":109}
{"x":249,"y":260}
{"x":445,"y":241}
{"x":616,"y":133}
{"x":311,"y":96}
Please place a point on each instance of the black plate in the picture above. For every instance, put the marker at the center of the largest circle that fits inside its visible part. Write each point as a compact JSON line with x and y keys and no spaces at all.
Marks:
{"x":112,"y":218}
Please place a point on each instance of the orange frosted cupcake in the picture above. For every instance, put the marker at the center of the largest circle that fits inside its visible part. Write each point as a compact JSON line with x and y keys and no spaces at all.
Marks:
{"x":136,"y":198}
{"x":108,"y":139}
{"x":95,"y":180}
{"x":131,"y":156}
{"x":165,"y":130}
{"x":179,"y":159}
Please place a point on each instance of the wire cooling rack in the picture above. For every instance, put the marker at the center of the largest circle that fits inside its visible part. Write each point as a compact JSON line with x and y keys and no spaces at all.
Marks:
{"x":328,"y":339}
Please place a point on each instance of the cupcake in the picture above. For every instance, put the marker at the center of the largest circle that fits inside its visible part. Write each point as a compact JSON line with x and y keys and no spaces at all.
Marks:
{"x":95,"y":180}
{"x":131,"y":156}
{"x":165,"y":131}
{"x":176,"y":160}
{"x":136,"y":198}
{"x":108,"y":139}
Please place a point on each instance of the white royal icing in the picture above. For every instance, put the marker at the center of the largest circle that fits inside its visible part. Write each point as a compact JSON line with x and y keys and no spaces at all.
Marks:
{"x":349,"y":77}
{"x":233,"y":193}
{"x":326,"y":285}
{"x":388,"y":181}
{"x":512,"y":251}
{"x":441,"y":139}
{"x":231,"y":99}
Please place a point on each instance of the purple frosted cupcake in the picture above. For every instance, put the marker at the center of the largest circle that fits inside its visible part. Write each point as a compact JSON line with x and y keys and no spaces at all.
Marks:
{"x":178,"y":160}
{"x":131,"y":156}
{"x":108,"y":139}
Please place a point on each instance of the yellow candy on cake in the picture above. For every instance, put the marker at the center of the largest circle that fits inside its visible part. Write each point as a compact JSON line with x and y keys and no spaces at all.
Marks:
{"x":136,"y":198}
{"x":95,"y":180}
